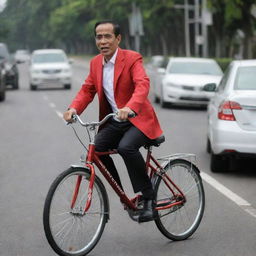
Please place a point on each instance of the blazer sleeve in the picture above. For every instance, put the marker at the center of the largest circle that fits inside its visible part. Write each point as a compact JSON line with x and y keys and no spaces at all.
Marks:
{"x":141,"y":85}
{"x":85,"y":95}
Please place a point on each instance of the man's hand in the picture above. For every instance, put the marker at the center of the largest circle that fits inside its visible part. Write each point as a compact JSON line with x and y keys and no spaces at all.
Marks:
{"x":124,"y":112}
{"x":68,"y":114}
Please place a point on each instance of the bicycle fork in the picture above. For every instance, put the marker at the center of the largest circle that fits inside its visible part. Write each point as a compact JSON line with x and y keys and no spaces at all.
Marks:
{"x":91,"y":182}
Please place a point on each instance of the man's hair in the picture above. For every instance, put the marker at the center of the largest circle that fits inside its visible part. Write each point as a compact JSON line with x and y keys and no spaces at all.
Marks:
{"x":117,"y":29}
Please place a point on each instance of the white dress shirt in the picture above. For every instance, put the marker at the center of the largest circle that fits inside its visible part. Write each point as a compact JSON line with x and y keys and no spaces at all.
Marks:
{"x":108,"y":81}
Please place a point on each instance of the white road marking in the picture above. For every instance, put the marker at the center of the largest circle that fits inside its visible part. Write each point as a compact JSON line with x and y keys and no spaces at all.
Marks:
{"x":52,"y":105}
{"x":59,"y":114}
{"x":45,"y":97}
{"x":245,"y":205}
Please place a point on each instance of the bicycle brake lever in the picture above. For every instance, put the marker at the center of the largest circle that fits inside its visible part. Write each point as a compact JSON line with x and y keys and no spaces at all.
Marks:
{"x":74,"y":119}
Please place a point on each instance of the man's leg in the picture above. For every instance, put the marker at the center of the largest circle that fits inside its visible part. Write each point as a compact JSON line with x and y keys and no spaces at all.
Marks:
{"x":108,"y":138}
{"x":128,"y":148}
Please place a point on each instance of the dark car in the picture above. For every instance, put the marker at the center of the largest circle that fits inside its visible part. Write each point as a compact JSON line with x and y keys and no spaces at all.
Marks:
{"x":11,"y":70}
{"x":2,"y":81}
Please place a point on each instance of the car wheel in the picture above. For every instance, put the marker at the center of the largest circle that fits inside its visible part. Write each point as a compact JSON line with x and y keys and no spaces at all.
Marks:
{"x":32,"y":87}
{"x":219,"y":163}
{"x":208,"y":146}
{"x":163,"y":103}
{"x":156,"y":99}
{"x":16,"y":83}
{"x":67,"y":86}
{"x":2,"y":95}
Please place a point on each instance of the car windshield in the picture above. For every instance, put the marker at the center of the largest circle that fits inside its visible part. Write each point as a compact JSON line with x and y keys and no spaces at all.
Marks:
{"x":245,"y":78}
{"x":4,"y":53}
{"x":22,"y":52}
{"x":197,"y":68}
{"x":48,"y":58}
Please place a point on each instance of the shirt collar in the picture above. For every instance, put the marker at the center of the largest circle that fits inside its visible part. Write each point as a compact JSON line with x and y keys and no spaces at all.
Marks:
{"x":112,"y":60}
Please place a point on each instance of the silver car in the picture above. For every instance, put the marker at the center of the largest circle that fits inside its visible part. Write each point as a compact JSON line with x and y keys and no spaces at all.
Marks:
{"x":184,"y":79}
{"x":50,"y":68}
{"x":232,"y":115}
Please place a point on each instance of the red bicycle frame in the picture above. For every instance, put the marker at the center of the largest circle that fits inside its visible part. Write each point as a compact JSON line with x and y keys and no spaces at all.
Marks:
{"x":93,"y":158}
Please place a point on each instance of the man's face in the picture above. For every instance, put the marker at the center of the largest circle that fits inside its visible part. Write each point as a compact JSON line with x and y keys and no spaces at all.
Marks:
{"x":106,"y":40}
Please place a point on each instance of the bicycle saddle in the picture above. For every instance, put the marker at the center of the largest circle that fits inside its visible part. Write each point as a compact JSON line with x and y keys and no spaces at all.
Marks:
{"x":156,"y":142}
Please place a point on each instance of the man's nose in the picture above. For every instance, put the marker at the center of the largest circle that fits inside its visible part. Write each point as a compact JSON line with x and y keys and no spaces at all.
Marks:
{"x":103,"y":40}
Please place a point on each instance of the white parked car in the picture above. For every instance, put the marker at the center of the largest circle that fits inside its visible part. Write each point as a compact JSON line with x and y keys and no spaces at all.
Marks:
{"x":155,"y":70}
{"x":50,"y":68}
{"x":21,"y":56}
{"x":184,"y":79}
{"x":232,"y":115}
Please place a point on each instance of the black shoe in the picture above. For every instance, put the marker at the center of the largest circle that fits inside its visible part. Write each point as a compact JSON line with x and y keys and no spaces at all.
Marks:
{"x":148,"y":213}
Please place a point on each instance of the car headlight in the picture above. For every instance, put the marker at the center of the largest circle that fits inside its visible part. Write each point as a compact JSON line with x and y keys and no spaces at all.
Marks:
{"x":8,"y":67}
{"x":173,"y":85}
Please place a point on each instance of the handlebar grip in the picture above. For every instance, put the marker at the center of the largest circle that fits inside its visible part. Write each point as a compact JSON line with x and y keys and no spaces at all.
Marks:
{"x":131,"y":115}
{"x":73,"y":120}
{"x":74,"y":117}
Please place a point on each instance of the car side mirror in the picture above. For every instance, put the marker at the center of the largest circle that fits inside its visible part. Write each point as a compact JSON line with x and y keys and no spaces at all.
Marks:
{"x":211,"y":87}
{"x":161,"y":71}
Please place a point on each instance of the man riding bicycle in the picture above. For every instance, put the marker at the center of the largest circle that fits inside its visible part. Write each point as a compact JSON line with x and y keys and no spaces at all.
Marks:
{"x":119,"y":79}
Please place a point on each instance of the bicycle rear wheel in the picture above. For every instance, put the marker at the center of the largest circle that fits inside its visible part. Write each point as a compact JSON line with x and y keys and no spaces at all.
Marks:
{"x":181,"y":221}
{"x":68,"y":230}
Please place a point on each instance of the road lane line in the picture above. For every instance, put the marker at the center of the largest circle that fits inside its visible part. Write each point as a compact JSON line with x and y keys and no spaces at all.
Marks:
{"x":251,"y":211}
{"x":242,"y":203}
{"x":59,"y":114}
{"x":45,"y":97}
{"x":52,"y":105}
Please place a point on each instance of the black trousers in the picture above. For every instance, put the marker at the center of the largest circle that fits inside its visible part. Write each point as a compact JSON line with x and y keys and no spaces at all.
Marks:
{"x":127,"y":139}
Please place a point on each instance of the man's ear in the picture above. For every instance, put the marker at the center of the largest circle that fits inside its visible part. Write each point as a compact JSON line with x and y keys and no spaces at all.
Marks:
{"x":119,"y":37}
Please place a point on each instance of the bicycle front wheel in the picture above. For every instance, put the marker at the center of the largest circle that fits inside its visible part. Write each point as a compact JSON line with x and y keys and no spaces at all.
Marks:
{"x":181,"y":221}
{"x":68,"y":229}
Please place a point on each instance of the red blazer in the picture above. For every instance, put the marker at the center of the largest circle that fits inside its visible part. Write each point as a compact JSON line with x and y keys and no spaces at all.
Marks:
{"x":131,"y":88}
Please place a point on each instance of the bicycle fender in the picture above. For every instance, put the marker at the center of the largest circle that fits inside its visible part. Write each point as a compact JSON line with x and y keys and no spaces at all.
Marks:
{"x":84,"y":168}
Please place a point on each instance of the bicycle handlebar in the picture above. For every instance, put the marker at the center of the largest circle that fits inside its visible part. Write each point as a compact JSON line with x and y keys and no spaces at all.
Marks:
{"x":77,"y":118}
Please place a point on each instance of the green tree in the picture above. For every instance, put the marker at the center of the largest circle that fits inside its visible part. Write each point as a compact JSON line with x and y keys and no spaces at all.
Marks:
{"x":230,"y":16}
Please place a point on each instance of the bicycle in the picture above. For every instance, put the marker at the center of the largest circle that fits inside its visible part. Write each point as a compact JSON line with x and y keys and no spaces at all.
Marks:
{"x":77,"y":207}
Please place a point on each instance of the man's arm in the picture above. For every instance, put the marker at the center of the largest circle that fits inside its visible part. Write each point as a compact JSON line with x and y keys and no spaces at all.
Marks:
{"x":142,"y":85}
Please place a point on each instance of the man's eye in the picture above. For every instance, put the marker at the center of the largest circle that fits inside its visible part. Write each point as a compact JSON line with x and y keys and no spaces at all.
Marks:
{"x":100,"y":37}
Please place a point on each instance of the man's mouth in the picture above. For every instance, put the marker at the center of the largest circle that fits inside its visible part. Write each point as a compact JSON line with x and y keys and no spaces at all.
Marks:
{"x":103,"y":49}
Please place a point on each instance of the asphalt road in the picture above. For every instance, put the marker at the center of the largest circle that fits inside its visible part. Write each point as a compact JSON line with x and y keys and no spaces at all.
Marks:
{"x":36,"y":145}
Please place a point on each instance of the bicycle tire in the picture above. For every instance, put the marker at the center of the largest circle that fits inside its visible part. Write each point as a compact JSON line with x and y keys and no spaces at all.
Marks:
{"x":181,"y":222}
{"x":67,"y":231}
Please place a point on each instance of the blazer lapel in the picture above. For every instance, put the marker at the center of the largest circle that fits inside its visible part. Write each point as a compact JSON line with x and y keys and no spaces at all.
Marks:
{"x":99,"y":68}
{"x":119,"y":66}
